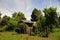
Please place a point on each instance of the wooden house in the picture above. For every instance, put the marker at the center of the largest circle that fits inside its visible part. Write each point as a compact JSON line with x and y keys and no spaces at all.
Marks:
{"x":28,"y":27}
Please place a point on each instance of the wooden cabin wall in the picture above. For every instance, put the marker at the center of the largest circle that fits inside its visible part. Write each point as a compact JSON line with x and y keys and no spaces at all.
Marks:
{"x":28,"y":29}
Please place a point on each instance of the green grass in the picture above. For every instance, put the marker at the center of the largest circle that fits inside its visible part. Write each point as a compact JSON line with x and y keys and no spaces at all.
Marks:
{"x":56,"y":34}
{"x":14,"y":36}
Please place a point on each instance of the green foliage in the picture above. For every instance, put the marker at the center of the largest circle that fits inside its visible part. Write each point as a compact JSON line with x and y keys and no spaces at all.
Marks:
{"x":18,"y":16}
{"x":51,"y":16}
{"x":4,"y":20}
{"x":51,"y":19}
{"x":59,"y":20}
{"x":21,"y":16}
{"x":12,"y":24}
{"x":43,"y":26}
{"x":3,"y":28}
{"x":14,"y":14}
{"x":21,"y":28}
{"x":35,"y":14}
{"x":39,"y":27}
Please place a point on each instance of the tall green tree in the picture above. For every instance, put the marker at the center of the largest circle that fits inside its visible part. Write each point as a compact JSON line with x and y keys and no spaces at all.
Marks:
{"x":51,"y":16}
{"x":35,"y":14}
{"x":20,"y":16}
{"x":14,"y":14}
{"x":41,"y":25}
{"x":51,"y":19}
{"x":38,"y":17}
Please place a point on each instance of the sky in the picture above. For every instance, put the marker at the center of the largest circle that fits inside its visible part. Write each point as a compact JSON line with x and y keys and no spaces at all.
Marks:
{"x":8,"y":7}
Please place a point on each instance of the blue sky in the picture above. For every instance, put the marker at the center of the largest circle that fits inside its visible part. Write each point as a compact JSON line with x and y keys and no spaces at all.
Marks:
{"x":7,"y":7}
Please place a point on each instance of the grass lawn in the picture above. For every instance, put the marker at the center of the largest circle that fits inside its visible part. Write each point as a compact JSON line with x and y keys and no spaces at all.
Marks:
{"x":14,"y":36}
{"x":56,"y":34}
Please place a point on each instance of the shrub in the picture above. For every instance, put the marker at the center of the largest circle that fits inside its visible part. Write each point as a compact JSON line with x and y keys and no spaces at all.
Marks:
{"x":17,"y":30}
{"x":21,"y":28}
{"x":12,"y":24}
{"x":3,"y":28}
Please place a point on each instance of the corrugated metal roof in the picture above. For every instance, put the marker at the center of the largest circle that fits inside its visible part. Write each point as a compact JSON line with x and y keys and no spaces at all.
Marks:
{"x":27,"y":21}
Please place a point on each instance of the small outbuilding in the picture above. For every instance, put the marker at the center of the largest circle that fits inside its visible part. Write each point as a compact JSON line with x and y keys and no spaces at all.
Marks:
{"x":28,"y":27}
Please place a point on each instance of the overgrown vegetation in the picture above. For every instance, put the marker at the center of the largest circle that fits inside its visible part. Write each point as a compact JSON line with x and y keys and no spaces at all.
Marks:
{"x":44,"y":23}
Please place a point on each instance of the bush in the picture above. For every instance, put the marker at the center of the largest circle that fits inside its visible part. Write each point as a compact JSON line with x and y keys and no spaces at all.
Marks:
{"x":21,"y":28}
{"x":17,"y":30}
{"x":3,"y":28}
{"x":12,"y":24}
{"x":32,"y":33}
{"x":10,"y":28}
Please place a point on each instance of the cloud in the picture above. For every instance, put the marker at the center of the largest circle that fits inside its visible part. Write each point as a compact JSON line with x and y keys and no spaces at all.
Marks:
{"x":5,"y":12}
{"x":7,"y":7}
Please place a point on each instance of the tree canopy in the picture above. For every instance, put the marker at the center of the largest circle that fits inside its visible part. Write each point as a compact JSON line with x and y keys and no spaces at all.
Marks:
{"x":35,"y":14}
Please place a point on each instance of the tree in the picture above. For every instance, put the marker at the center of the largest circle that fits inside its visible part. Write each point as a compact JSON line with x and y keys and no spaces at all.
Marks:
{"x":14,"y":14}
{"x":0,"y":15}
{"x":4,"y":20}
{"x":13,"y":22}
{"x":51,"y":19}
{"x":41,"y":25}
{"x":35,"y":14}
{"x":40,"y":20}
{"x":20,"y":16}
{"x":51,"y":15}
{"x":59,"y":20}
